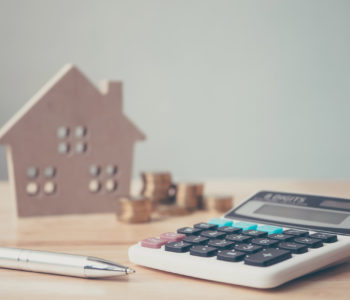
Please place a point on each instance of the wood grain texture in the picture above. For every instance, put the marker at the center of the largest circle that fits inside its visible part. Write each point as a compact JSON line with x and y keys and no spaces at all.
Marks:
{"x":102,"y":236}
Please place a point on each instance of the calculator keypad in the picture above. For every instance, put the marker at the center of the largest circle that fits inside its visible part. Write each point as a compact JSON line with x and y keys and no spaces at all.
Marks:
{"x":296,"y":233}
{"x":230,"y":230}
{"x":206,"y":226}
{"x":293,"y":247}
{"x":154,"y":243}
{"x":196,"y":240}
{"x":265,"y":242}
{"x":310,"y":242}
{"x":231,"y":255}
{"x":256,"y":245}
{"x":189,"y":231}
{"x":239,"y":238}
{"x":213,"y":234}
{"x":220,"y":222}
{"x":221,"y":244}
{"x":270,"y":229}
{"x":325,"y":237}
{"x":172,"y":236}
{"x":179,"y":247}
{"x":281,"y":237}
{"x":248,"y":248}
{"x":267,"y":257}
{"x":255,"y":233}
{"x":204,"y":251}
{"x":246,"y":225}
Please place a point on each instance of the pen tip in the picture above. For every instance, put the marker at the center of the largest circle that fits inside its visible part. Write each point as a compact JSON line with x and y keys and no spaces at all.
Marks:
{"x":129,"y":271}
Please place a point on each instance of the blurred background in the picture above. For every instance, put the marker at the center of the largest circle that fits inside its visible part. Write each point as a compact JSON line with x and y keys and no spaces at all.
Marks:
{"x":244,"y":89}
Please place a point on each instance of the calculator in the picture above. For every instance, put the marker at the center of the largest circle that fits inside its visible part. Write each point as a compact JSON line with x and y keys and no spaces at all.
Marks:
{"x":270,"y":239}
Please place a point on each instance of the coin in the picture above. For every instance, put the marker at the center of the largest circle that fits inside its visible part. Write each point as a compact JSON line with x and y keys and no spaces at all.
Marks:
{"x":218,"y":203}
{"x":156,"y":186}
{"x":133,"y":210}
{"x":189,"y":195}
{"x":171,"y":210}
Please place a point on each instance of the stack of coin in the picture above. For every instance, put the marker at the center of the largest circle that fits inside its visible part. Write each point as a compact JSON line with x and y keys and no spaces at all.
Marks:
{"x":134,"y":210}
{"x":188,"y":195}
{"x":218,"y":203}
{"x":156,"y":186}
{"x":200,"y":196}
{"x":171,"y":210}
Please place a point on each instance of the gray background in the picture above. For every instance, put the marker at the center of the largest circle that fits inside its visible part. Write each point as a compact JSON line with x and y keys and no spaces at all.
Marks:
{"x":221,"y":88}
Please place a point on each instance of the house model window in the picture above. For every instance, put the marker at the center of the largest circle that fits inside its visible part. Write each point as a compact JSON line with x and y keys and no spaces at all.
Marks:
{"x":63,"y":148}
{"x":62,"y":132}
{"x":94,"y":186}
{"x":49,"y":188}
{"x":32,"y":188}
{"x":32,"y":172}
{"x":80,"y":148}
{"x":50,"y":172}
{"x":94,"y":170}
{"x":110,"y":183}
{"x":80,"y":131}
{"x":111,"y":170}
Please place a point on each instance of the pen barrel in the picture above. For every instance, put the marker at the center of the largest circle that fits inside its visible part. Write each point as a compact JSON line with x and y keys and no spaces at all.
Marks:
{"x":42,"y":261}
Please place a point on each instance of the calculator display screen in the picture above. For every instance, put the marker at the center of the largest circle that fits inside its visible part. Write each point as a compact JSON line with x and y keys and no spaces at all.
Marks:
{"x":301,"y":214}
{"x":335,"y":204}
{"x":296,"y":210}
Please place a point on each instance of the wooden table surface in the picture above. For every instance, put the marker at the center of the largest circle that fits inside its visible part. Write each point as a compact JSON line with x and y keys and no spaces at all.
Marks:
{"x":102,"y":236}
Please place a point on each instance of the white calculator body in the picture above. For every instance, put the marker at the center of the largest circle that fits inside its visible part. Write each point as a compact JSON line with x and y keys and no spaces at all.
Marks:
{"x":270,"y":239}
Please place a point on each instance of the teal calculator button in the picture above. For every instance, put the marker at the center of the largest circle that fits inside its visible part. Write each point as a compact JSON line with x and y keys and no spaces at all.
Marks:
{"x":246,"y":225}
{"x":221,"y":222}
{"x":270,"y":229}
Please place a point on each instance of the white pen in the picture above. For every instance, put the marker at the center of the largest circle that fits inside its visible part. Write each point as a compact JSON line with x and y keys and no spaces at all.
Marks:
{"x":60,"y":263}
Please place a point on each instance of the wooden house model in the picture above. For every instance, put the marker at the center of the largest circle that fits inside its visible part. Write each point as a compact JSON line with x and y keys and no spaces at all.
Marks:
{"x":70,"y":148}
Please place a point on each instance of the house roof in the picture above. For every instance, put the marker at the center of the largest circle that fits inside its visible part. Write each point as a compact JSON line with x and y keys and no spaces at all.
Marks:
{"x":67,"y":69}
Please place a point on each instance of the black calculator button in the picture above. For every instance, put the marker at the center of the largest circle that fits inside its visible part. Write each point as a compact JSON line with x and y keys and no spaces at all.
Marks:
{"x":310,"y":242}
{"x":267,"y":257}
{"x":229,"y":229}
{"x":203,"y":251}
{"x":293,"y":247}
{"x":196,"y":240}
{"x":255,"y":233}
{"x":221,"y":244}
{"x":325,"y":237}
{"x":265,"y":242}
{"x":179,"y":247}
{"x":296,"y":233}
{"x":239,"y":238}
{"x":205,"y":226}
{"x":189,"y":231}
{"x":247,"y":248}
{"x":230,"y":255}
{"x":213,"y":234}
{"x":281,"y":237}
